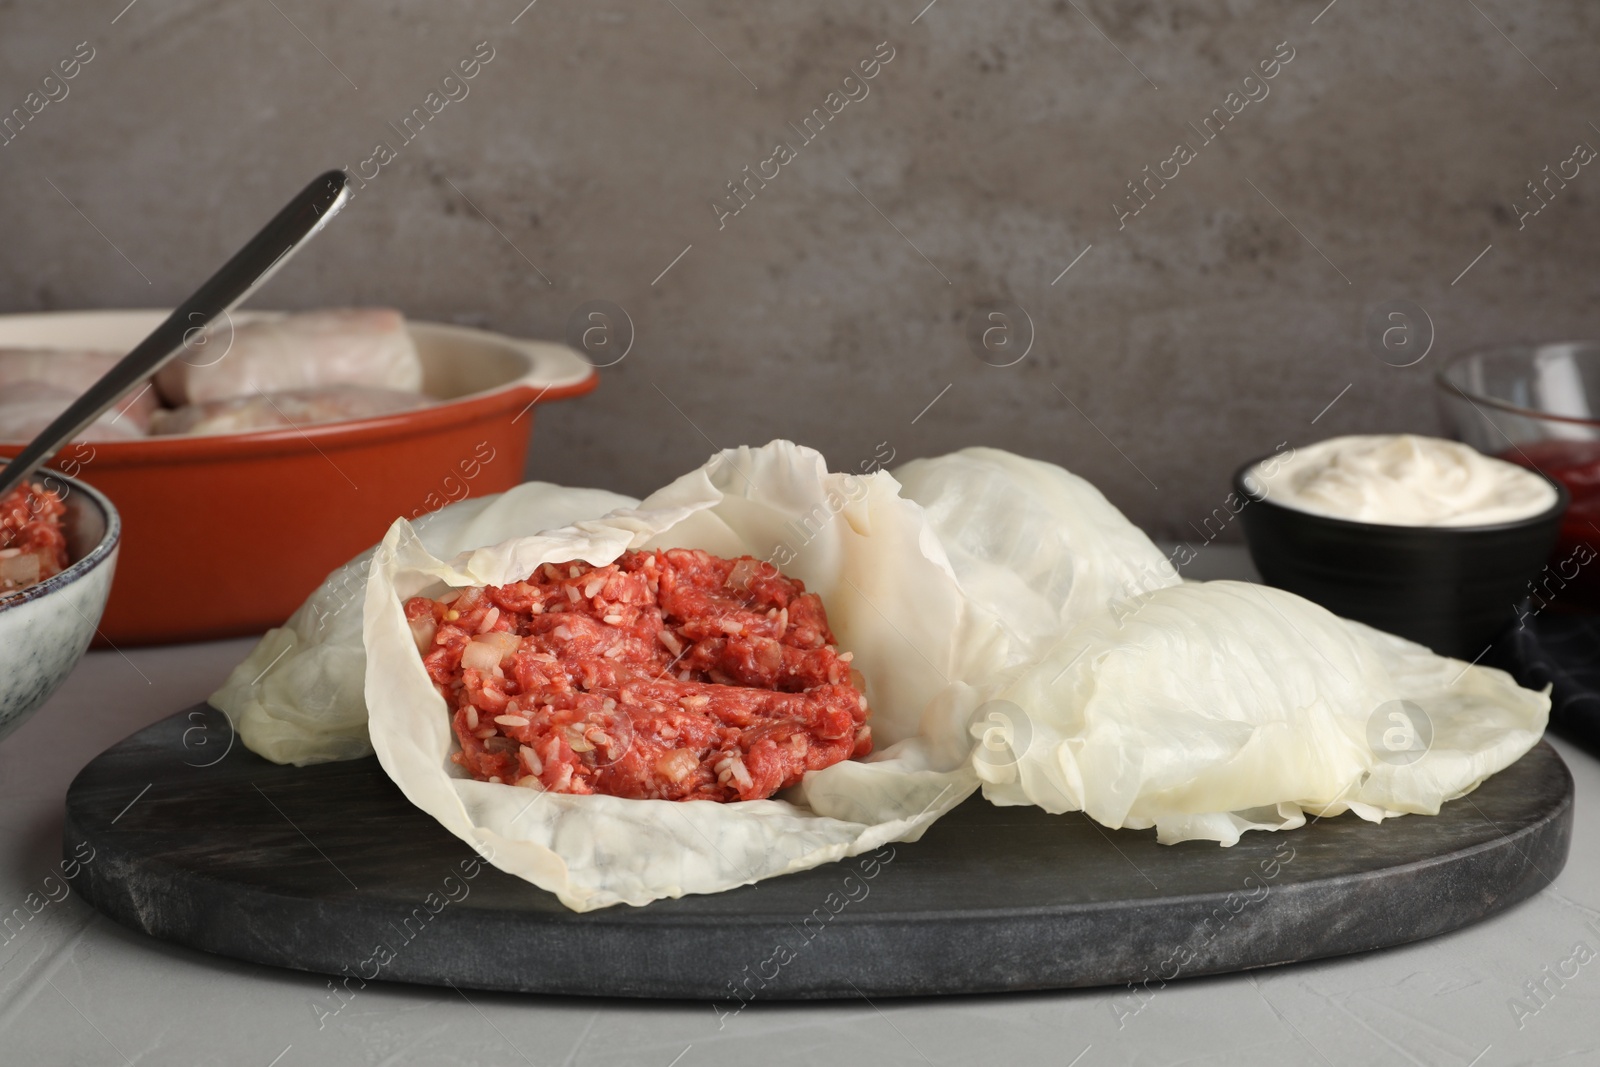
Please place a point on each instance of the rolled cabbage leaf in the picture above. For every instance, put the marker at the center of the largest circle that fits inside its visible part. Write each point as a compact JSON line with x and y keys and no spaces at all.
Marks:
{"x":1211,"y":708}
{"x":309,"y":350}
{"x":1035,"y":544}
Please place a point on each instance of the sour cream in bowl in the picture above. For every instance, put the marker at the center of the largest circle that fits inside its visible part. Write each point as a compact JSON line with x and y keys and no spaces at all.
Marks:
{"x":1403,"y":480}
{"x":1425,"y":538}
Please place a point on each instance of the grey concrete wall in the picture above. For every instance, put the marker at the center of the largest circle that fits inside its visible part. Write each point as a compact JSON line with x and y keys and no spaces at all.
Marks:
{"x":987,"y":155}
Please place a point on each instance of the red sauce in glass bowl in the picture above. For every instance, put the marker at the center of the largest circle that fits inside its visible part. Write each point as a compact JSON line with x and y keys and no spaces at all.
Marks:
{"x":1576,"y":465}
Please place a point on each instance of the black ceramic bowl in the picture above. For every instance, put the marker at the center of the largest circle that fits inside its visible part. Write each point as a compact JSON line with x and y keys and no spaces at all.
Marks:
{"x":1452,"y":588}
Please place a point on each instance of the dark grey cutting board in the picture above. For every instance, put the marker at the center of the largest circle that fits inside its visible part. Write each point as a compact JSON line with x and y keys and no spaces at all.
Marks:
{"x":328,"y":868}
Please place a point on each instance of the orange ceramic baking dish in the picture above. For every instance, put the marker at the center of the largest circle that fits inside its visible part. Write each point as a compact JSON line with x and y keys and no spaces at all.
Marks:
{"x":226,"y":535}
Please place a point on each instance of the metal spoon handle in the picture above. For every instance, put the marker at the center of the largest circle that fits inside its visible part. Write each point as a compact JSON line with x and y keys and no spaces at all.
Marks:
{"x":252,"y":265}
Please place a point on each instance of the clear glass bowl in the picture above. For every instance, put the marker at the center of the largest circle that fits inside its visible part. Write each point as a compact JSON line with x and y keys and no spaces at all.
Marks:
{"x":1539,"y":406}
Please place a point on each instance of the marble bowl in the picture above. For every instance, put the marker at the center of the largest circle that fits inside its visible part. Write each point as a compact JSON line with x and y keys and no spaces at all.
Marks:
{"x":45,"y":628}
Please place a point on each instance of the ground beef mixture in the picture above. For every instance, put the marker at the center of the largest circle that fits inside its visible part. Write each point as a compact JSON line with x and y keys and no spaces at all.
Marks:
{"x":670,"y":674}
{"x":33,"y":545}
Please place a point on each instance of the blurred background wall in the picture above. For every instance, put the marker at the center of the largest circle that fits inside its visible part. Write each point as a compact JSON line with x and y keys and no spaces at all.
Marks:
{"x":1387,"y":159}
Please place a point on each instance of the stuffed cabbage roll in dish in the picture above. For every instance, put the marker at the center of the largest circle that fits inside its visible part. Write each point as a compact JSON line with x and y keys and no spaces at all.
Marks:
{"x":37,"y":384}
{"x":27,"y":407}
{"x":277,"y":411}
{"x":65,"y":368}
{"x":343,"y":346}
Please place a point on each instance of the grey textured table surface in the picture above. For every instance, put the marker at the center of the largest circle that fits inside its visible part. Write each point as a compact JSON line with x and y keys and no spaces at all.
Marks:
{"x":76,"y":988}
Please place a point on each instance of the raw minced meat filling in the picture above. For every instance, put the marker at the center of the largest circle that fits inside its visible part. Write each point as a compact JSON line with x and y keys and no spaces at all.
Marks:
{"x":669,"y":674}
{"x":33,"y":543}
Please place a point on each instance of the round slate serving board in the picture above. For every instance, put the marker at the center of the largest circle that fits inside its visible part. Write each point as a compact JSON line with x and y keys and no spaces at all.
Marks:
{"x":328,"y":868}
{"x":1561,"y":650}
